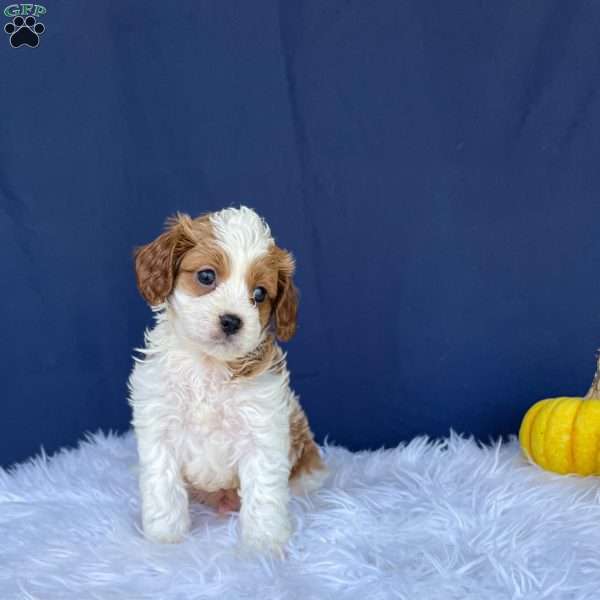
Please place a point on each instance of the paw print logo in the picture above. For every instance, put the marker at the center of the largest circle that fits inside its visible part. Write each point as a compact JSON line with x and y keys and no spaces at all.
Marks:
{"x":24,"y":32}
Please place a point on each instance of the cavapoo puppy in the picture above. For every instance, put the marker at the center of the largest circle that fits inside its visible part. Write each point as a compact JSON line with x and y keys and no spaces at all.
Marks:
{"x":213,"y":412}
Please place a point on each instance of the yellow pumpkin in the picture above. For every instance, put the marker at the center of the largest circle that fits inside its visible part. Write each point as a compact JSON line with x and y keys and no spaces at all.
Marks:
{"x":563,"y":434}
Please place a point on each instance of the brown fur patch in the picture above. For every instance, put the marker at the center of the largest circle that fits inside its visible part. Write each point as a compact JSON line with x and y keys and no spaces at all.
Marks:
{"x":305,"y":456}
{"x":286,"y":303}
{"x":274,"y":271}
{"x":205,"y":254}
{"x":156,"y":263}
{"x":264,"y":272}
{"x":267,"y":356}
{"x":175,"y":256}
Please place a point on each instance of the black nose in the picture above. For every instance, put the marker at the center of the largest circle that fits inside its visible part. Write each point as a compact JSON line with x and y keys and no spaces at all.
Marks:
{"x":230,"y":324}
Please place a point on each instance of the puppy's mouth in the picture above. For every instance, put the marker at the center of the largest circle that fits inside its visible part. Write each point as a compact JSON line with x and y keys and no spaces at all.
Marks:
{"x":223,"y":339}
{"x":226,"y":343}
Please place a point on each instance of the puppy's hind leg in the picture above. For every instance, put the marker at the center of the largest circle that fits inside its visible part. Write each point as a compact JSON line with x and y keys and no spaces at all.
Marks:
{"x":309,"y":471}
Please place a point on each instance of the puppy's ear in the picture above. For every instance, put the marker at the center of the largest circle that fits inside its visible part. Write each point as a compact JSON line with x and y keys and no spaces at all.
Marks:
{"x":286,"y":303}
{"x":156,"y":263}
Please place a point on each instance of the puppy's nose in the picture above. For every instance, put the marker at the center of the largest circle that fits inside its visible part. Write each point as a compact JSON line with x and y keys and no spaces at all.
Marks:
{"x":230,"y":323}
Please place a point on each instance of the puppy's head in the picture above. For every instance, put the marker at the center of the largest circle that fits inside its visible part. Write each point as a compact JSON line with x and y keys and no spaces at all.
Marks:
{"x":223,"y":279}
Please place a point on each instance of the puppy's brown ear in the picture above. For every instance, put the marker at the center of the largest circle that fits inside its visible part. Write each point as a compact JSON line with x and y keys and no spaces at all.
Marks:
{"x":286,"y":303}
{"x":156,"y":263}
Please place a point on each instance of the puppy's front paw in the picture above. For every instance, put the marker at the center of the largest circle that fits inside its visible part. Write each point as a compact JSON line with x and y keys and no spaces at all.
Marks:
{"x":166,"y":529}
{"x":268,"y":537}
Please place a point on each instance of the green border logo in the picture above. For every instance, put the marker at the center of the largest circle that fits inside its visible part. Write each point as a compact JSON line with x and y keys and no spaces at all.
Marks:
{"x":24,"y":10}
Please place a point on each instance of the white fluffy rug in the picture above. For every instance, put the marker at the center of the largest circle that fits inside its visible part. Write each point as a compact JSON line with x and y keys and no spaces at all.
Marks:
{"x":449,"y":520}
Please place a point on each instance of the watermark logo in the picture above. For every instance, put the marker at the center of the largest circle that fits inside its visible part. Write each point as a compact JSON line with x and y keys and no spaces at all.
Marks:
{"x":25,"y":28}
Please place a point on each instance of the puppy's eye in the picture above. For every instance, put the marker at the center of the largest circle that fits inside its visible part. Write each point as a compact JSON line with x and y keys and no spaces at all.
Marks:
{"x":259,"y":294}
{"x":207,"y":277}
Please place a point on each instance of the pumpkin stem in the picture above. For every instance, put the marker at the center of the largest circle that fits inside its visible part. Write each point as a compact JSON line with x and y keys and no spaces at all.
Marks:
{"x":594,"y":391}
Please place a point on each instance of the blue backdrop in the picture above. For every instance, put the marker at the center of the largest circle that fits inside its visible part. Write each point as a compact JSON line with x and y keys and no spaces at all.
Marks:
{"x":433,"y":166}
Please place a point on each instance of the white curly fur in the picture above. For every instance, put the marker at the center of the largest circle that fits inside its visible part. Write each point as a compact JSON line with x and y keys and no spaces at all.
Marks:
{"x":197,"y":425}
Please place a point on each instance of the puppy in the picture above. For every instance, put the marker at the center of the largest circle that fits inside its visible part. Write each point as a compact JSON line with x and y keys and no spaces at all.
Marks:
{"x":214,"y":416}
